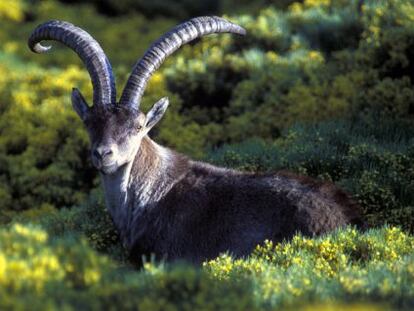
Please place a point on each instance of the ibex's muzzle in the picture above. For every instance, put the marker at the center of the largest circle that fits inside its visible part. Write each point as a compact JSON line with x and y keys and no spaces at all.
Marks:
{"x":102,"y":152}
{"x":103,"y":157}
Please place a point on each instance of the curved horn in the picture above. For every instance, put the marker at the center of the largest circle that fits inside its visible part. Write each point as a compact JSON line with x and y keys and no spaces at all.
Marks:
{"x":165,"y":46}
{"x":89,"y":51}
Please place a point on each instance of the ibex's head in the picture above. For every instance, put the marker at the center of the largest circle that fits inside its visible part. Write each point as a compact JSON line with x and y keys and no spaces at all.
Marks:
{"x":116,"y":129}
{"x":116,"y":132}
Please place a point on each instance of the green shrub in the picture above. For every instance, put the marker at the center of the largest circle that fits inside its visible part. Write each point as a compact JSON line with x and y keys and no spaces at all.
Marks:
{"x":177,"y":9}
{"x":43,"y":149}
{"x":37,"y":272}
{"x":90,"y":220}
{"x":345,"y":268}
{"x":374,"y":163}
{"x":181,"y":9}
{"x":318,"y":60}
{"x":124,"y":39}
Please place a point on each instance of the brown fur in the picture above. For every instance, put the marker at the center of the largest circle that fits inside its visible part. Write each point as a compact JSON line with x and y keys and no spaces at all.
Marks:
{"x":177,"y":208}
{"x":166,"y":204}
{"x":210,"y":210}
{"x":349,"y":206}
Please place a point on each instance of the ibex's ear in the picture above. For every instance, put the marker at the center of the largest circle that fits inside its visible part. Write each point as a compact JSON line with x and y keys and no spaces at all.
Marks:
{"x":79,"y":103}
{"x":156,"y":113}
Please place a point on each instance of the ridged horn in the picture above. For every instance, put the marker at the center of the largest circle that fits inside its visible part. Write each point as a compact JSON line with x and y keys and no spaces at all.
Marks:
{"x":89,"y":51}
{"x":165,"y":46}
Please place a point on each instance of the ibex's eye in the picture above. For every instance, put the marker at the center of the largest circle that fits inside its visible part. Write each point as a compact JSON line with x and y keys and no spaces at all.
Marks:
{"x":136,"y":128}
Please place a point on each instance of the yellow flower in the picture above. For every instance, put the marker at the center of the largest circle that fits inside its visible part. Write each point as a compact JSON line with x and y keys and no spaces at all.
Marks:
{"x":316,"y":56}
{"x":91,"y":276}
{"x":10,"y":47}
{"x":297,"y":260}
{"x":316,"y":3}
{"x":12,"y":10}
{"x":3,"y":267}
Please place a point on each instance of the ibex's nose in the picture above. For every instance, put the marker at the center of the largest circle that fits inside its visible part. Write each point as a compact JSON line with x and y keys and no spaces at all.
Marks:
{"x":102,"y":152}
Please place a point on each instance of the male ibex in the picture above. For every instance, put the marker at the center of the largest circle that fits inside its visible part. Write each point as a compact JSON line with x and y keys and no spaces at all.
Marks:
{"x":166,"y":204}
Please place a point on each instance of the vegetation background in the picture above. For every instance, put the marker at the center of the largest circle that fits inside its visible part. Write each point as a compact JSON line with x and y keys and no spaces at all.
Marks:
{"x":319,"y":87}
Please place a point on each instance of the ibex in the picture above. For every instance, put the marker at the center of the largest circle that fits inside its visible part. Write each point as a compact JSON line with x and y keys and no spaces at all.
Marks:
{"x":166,"y":204}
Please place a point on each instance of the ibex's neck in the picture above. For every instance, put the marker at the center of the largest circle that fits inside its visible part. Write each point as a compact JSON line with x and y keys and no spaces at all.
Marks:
{"x":151,"y":173}
{"x":116,"y":194}
{"x":140,"y":184}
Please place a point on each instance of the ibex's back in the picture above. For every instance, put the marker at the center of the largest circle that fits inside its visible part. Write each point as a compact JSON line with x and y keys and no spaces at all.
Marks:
{"x":160,"y":201}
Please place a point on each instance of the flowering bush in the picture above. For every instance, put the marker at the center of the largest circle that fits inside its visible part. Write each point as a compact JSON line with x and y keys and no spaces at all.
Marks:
{"x":37,"y":271}
{"x":345,"y":264}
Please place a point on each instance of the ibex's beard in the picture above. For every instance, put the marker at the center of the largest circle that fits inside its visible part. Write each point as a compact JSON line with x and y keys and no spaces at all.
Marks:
{"x":104,"y":166}
{"x":109,"y":169}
